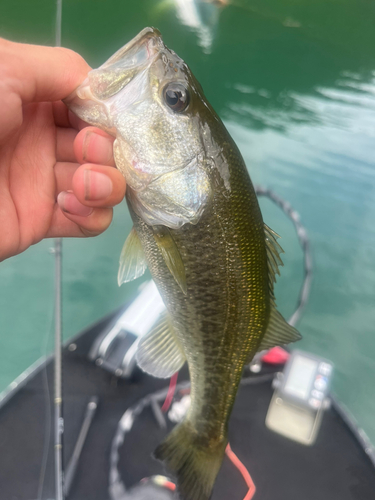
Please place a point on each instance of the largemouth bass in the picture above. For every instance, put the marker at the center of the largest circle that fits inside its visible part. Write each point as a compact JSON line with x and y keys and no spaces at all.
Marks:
{"x":199,"y":229}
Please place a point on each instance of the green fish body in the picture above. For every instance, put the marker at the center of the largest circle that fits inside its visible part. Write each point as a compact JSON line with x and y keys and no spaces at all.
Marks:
{"x":199,"y":229}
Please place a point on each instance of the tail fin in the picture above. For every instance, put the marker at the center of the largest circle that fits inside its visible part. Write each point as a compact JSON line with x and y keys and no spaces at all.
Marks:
{"x":194,"y":466}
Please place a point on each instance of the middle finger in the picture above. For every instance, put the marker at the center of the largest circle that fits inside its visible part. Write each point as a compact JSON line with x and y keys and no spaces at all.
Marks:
{"x":65,"y":144}
{"x":92,"y":145}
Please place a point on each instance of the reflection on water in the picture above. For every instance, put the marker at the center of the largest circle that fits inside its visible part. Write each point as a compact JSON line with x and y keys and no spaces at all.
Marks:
{"x":349,"y":106}
{"x":295,"y":84}
{"x":201,"y":16}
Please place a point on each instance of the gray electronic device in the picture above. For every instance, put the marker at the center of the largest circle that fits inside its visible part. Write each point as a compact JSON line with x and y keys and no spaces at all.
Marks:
{"x":115,"y":348}
{"x":300,"y":397}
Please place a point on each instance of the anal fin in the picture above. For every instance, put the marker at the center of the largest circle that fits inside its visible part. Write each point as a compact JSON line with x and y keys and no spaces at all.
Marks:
{"x":159,"y":352}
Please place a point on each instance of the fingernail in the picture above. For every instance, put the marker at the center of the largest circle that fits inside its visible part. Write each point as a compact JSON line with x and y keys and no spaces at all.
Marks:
{"x":68,"y":203}
{"x":97,"y":148}
{"x":97,"y":186}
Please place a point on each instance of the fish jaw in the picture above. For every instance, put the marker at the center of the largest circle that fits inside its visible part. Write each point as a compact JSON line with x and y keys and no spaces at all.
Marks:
{"x":93,"y":101}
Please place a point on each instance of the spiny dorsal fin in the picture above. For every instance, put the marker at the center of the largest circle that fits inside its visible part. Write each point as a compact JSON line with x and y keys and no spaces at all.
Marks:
{"x":132,"y":259}
{"x":159,"y":352}
{"x":273,"y":254}
{"x":171,"y":255}
{"x":278,"y":332}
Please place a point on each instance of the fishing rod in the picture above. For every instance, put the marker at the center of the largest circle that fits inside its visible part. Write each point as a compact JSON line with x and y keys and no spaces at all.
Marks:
{"x":58,"y":400}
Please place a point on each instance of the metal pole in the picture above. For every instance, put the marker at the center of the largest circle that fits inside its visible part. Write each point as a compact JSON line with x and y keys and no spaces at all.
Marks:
{"x":58,"y":23}
{"x":72,"y":467}
{"x":59,"y":420}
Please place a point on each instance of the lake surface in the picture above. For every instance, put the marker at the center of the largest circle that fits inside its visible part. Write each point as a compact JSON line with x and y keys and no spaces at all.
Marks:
{"x":295,"y":85}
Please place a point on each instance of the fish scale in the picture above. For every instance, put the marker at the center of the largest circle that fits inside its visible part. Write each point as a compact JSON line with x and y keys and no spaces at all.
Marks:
{"x":224,"y":313}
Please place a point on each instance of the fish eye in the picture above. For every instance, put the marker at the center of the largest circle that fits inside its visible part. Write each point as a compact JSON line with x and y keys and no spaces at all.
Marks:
{"x":176,"y":96}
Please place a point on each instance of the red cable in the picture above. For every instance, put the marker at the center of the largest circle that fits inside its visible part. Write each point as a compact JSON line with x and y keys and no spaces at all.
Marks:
{"x":245,"y":473}
{"x":170,"y":394}
{"x":171,"y":486}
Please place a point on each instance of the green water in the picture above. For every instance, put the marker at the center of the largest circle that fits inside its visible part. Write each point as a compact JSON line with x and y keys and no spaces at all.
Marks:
{"x":294,"y":82}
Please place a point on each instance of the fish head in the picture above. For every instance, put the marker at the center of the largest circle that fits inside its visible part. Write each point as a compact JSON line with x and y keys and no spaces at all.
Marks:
{"x":146,"y":96}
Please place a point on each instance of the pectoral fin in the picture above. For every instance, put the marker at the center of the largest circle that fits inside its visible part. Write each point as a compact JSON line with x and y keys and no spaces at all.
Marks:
{"x":278,"y":332}
{"x":132,"y":259}
{"x":171,"y":255}
{"x":160,"y":353}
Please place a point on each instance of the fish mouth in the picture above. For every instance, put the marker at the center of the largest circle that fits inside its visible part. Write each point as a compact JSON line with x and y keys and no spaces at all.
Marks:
{"x":118,"y":71}
{"x":149,"y":38}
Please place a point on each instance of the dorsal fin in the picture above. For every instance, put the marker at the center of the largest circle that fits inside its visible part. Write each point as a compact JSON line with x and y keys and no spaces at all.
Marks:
{"x":273,"y":254}
{"x":278,"y":332}
{"x":159,"y":352}
{"x":132,"y":259}
{"x":171,"y":255}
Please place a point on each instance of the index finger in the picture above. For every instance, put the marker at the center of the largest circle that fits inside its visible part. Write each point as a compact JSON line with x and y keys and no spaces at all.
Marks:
{"x":65,"y":118}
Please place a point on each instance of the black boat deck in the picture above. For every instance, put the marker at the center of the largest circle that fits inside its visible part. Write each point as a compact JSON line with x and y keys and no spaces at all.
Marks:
{"x":335,"y":468}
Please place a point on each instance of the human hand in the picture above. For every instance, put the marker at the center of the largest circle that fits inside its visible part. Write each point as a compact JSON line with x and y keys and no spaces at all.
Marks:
{"x":54,"y":179}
